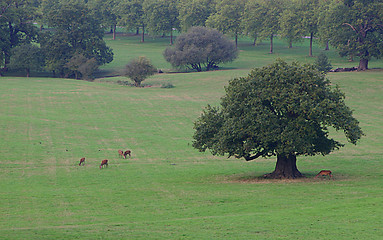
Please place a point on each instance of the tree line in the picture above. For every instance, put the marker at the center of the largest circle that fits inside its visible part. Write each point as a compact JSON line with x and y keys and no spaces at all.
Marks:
{"x":74,"y":28}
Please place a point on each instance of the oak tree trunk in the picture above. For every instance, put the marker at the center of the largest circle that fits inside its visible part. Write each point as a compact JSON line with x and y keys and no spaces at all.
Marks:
{"x":363,"y":65}
{"x":286,"y":167}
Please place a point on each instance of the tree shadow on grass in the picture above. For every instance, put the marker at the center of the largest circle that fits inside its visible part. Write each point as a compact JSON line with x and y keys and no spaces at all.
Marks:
{"x":255,"y":178}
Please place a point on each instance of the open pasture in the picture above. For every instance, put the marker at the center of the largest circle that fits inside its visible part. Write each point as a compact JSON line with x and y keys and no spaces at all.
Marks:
{"x":167,"y":189}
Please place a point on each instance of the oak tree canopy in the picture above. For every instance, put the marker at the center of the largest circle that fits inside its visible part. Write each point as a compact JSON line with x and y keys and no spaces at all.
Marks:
{"x":282,"y":110}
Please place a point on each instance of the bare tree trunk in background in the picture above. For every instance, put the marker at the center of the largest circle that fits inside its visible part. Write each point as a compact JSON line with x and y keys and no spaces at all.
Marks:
{"x":311,"y":45}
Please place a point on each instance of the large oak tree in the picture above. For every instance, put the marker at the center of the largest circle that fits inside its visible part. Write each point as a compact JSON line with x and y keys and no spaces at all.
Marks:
{"x":283,"y":110}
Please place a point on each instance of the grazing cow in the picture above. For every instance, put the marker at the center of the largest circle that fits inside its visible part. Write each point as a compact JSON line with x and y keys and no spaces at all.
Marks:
{"x":82,"y":161}
{"x":121,"y":154}
{"x":324,"y":173}
{"x":104,"y":163}
{"x":127,"y":152}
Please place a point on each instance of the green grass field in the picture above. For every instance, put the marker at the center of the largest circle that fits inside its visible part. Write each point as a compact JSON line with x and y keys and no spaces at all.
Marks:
{"x":167,"y":189}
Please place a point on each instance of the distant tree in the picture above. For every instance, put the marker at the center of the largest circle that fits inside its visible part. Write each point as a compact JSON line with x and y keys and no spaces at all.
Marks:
{"x":106,"y":11}
{"x":309,"y":12}
{"x":227,"y":17}
{"x":279,"y":110}
{"x":16,"y":28}
{"x":132,"y":16}
{"x":27,"y":57}
{"x":161,"y":17}
{"x":76,"y":31}
{"x":194,"y":13}
{"x":201,"y":47}
{"x":251,"y":23}
{"x":139,"y":69}
{"x":324,"y":21}
{"x":265,"y":16}
{"x":322,"y":63}
{"x":290,"y":25}
{"x":357,"y":29}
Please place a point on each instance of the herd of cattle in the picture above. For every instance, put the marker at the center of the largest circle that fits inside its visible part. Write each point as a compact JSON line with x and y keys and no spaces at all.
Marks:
{"x":104,"y":163}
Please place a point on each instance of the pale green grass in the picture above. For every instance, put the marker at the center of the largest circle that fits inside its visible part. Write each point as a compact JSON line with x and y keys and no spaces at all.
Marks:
{"x":167,"y":189}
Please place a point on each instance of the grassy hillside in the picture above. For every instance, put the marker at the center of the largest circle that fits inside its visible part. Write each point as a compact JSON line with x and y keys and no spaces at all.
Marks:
{"x":167,"y":189}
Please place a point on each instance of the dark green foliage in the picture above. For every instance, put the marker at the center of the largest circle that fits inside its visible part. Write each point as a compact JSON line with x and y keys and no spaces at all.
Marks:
{"x":227,"y":17}
{"x":139,"y":69}
{"x":161,"y":17}
{"x":76,"y":30}
{"x":88,"y":69}
{"x":132,"y":16}
{"x":27,"y":57}
{"x":279,"y":110}
{"x":201,"y":47}
{"x":81,"y":66}
{"x":167,"y":85}
{"x":194,"y":13}
{"x":16,"y":28}
{"x":322,"y":63}
{"x":356,"y":29}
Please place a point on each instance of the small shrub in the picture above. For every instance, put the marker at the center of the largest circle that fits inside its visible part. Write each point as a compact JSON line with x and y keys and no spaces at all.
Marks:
{"x":139,"y":69}
{"x":322,"y":63}
{"x":167,"y":85}
{"x":88,"y":68}
{"x":80,"y":66}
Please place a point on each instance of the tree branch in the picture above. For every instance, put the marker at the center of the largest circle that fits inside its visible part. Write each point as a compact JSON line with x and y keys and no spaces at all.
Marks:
{"x":249,"y":158}
{"x":350,"y":26}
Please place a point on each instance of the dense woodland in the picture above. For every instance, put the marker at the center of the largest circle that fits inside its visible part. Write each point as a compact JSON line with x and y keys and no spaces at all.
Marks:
{"x":69,"y":33}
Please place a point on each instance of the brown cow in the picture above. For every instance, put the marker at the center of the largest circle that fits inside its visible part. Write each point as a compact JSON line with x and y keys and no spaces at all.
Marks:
{"x":121,"y":154}
{"x":324,"y":173}
{"x":127,"y":152}
{"x":82,"y":161}
{"x":104,"y":163}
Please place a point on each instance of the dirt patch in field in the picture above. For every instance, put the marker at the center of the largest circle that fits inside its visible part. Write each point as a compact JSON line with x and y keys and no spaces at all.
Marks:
{"x":178,"y":98}
{"x":254,"y":179}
